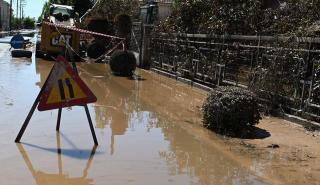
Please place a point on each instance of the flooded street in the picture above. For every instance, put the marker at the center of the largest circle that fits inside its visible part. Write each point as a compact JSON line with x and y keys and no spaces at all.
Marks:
{"x":148,"y":130}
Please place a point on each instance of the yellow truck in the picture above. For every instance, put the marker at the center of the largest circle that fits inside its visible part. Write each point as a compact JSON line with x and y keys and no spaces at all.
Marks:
{"x":53,"y":40}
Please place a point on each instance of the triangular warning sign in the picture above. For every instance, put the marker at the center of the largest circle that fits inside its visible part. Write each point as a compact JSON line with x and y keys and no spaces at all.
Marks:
{"x":64,"y":88}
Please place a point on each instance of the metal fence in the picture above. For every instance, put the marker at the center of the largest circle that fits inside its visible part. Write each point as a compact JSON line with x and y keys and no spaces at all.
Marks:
{"x":285,"y":67}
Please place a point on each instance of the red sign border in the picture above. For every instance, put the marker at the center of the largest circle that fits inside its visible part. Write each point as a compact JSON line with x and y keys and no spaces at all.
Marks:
{"x":91,"y":98}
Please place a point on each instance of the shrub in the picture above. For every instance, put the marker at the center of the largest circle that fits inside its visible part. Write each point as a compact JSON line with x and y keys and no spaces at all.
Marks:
{"x":230,"y":110}
{"x":123,"y":63}
{"x":124,"y":25}
{"x":96,"y":49}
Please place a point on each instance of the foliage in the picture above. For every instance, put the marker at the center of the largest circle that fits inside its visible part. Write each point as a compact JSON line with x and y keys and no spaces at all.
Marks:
{"x":123,"y":63}
{"x":29,"y":23}
{"x":101,"y":26}
{"x":213,"y":16}
{"x":82,"y":6}
{"x":96,"y":49}
{"x":279,"y":73}
{"x":295,"y":17}
{"x":230,"y":110}
{"x":26,"y":22}
{"x":124,"y":24}
{"x":241,"y":17}
{"x":108,"y":9}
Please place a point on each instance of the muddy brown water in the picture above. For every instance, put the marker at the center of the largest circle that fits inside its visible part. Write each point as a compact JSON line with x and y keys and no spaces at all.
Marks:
{"x":147,"y":127}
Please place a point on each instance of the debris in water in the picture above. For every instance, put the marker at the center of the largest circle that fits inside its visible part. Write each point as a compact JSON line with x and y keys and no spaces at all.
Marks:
{"x":273,"y":146}
{"x":247,"y":144}
{"x":9,"y":104}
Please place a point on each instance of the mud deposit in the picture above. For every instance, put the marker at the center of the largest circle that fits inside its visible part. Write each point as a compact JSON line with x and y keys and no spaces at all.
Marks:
{"x":148,"y":129}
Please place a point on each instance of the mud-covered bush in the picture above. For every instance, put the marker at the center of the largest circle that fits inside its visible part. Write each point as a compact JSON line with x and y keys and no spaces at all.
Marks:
{"x":96,"y":49}
{"x":123,"y":63}
{"x":124,"y":25}
{"x":230,"y":110}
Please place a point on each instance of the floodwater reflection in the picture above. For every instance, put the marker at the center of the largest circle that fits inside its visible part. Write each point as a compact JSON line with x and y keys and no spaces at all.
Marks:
{"x":157,"y":104}
{"x":43,"y":178}
{"x":153,"y":129}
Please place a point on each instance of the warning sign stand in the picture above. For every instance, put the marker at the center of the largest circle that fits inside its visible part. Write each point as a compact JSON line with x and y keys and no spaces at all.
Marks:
{"x":62,"y":88}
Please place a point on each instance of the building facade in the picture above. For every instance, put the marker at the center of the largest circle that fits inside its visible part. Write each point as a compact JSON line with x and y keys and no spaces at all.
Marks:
{"x":4,"y":15}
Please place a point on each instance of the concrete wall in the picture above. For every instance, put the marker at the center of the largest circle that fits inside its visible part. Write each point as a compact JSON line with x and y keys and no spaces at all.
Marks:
{"x":4,"y":15}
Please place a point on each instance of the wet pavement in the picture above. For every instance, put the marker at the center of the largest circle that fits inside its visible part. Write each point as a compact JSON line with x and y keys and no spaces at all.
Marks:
{"x":147,"y":127}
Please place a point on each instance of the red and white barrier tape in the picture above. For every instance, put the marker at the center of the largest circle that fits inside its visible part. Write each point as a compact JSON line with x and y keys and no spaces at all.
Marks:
{"x":81,"y":30}
{"x":121,"y":42}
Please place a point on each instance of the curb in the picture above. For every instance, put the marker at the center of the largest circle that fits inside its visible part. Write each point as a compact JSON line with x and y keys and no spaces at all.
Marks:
{"x":307,"y":124}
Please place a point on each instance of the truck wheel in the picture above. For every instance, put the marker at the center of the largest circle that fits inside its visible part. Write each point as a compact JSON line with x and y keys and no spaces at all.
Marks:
{"x":39,"y":54}
{"x":18,"y":53}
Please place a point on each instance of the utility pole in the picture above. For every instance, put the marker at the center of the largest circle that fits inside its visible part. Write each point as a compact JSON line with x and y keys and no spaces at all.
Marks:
{"x":17,"y":18}
{"x":10,"y":18}
{"x":22,"y":5}
{"x":17,"y":9}
{"x":20,"y":10}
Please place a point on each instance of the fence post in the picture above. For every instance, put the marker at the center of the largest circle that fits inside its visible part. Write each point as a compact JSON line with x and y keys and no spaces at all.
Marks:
{"x":145,"y":56}
{"x":220,"y":68}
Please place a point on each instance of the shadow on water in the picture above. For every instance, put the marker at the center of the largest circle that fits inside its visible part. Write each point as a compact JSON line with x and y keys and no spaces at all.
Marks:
{"x":136,"y":77}
{"x":43,"y":178}
{"x":130,"y":77}
{"x":125,"y":104}
{"x":73,"y":153}
{"x":158,"y":108}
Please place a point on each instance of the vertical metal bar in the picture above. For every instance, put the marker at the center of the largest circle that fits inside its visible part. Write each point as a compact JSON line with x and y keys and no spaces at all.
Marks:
{"x":91,"y":125}
{"x":305,"y":79}
{"x":85,"y":106}
{"x":10,"y":17}
{"x":302,"y":95}
{"x":219,"y":75}
{"x":258,"y":52}
{"x":311,"y":82}
{"x":27,"y":120}
{"x":141,"y":44}
{"x":59,"y":119}
{"x":33,"y":108}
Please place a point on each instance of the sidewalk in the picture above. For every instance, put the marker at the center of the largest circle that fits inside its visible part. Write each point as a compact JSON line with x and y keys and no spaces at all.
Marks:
{"x":290,"y":155}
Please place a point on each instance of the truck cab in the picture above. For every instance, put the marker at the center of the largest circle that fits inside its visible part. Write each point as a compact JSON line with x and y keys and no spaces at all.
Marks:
{"x":62,"y":14}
